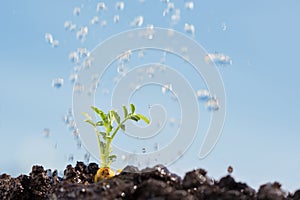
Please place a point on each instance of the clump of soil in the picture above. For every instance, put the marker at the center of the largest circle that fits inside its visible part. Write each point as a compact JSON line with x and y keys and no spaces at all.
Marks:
{"x":156,"y":183}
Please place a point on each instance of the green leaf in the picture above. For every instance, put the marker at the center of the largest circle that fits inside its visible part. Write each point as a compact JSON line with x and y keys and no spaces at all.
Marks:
{"x":100,"y":113}
{"x":100,"y":123}
{"x":132,"y":108}
{"x":86,"y":115}
{"x":117,"y":117}
{"x":135,"y":118}
{"x":144,"y":118}
{"x":122,"y":127}
{"x":125,"y":111}
{"x":90,"y":122}
{"x":103,"y":134}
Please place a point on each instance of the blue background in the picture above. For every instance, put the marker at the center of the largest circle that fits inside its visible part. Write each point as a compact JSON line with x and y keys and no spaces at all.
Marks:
{"x":261,"y":133}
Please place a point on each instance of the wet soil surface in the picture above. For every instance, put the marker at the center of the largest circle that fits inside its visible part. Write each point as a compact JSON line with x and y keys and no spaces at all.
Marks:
{"x":155,"y":183}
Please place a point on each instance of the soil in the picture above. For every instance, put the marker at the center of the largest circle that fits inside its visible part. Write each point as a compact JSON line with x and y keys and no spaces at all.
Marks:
{"x":155,"y":183}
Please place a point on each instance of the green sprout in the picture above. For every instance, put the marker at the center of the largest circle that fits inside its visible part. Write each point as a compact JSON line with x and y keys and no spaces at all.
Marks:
{"x":108,"y":121}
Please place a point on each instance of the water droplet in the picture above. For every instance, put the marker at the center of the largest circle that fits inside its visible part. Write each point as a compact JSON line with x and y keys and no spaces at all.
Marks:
{"x":120,"y":5}
{"x":203,"y":95}
{"x":71,"y":158}
{"x":95,"y":20}
{"x":83,"y":52}
{"x":121,"y":69}
{"x":74,"y":57}
{"x":176,"y":16}
{"x":78,"y":88}
{"x":87,"y":158}
{"x":150,"y":72}
{"x":48,"y":38}
{"x":144,"y":150}
{"x":141,"y":53}
{"x":224,"y":27}
{"x":156,"y":146}
{"x":73,"y":77}
{"x":57,"y":83}
{"x":125,"y":57}
{"x":82,"y":33}
{"x":134,"y":187}
{"x":107,"y":186}
{"x":116,"y":18}
{"x":78,"y":144}
{"x":103,"y":23}
{"x":166,"y":88}
{"x":212,"y":104}
{"x":218,"y":59}
{"x":172,"y":121}
{"x":87,"y":63}
{"x":123,"y":194}
{"x":150,"y":32}
{"x":101,"y":6}
{"x":68,"y":25}
{"x":189,"y":5}
{"x":138,"y":21}
{"x":189,"y":28}
{"x":76,"y":11}
{"x":46,"y":132}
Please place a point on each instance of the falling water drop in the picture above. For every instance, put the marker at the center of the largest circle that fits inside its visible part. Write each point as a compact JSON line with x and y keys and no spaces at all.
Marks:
{"x":57,"y":83}
{"x":212,"y":104}
{"x":203,"y":95}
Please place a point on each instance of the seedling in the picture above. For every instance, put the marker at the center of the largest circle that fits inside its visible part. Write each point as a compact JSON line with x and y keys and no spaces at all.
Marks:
{"x":105,"y":137}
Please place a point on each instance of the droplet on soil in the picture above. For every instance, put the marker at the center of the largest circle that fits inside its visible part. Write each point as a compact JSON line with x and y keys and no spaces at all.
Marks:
{"x":57,"y":83}
{"x":123,"y":194}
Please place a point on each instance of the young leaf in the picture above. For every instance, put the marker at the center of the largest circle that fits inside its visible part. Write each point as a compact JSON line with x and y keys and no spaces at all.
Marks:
{"x":132,"y":108}
{"x":100,"y":113}
{"x":90,"y":122}
{"x":117,"y":117}
{"x":125,"y":111}
{"x":145,"y":119}
{"x":99,"y":123}
{"x":103,"y":134}
{"x":87,"y":115}
{"x":135,"y":118}
{"x":122,"y":127}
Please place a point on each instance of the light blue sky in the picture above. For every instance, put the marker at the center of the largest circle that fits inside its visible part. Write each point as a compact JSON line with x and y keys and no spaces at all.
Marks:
{"x":261,"y":132}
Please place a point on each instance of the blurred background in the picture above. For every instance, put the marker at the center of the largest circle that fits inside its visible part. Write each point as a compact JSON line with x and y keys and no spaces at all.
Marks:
{"x":261,"y":39}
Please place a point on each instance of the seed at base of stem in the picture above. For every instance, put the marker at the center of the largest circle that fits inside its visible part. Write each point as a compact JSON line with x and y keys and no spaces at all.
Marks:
{"x":103,"y":173}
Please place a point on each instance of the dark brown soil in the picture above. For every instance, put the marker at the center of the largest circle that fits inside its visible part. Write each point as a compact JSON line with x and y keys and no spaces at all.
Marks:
{"x":155,"y":183}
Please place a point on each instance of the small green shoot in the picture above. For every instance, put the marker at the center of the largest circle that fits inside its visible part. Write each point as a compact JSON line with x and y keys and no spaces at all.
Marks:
{"x":108,"y":132}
